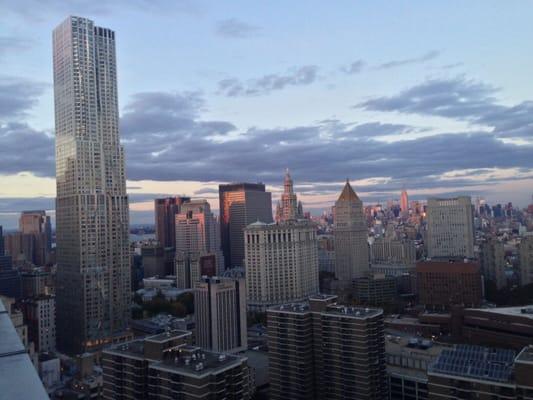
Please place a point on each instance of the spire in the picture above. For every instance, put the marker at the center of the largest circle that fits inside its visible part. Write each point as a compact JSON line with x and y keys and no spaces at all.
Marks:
{"x":348,"y":193}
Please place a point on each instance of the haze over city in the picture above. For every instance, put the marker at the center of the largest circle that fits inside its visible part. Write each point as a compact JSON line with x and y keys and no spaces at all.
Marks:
{"x":212,"y":92}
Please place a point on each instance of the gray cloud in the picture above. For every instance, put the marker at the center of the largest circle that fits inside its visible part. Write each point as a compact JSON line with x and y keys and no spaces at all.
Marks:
{"x":235,"y":29}
{"x":354,"y":68}
{"x":10,"y":44}
{"x":304,"y":75}
{"x":430,"y":55}
{"x":460,"y":99}
{"x":17,"y":97}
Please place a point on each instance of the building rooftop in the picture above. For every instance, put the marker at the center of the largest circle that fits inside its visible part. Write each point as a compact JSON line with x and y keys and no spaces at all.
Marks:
{"x":465,"y":267}
{"x":348,"y":193}
{"x":519,"y":311}
{"x":332,"y":309}
{"x":526,"y":355}
{"x":18,"y":377}
{"x":193,"y":361}
{"x":478,"y":362}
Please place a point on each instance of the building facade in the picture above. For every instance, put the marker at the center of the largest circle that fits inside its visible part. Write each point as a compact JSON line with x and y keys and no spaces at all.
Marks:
{"x":40,"y":316}
{"x":240,"y":205}
{"x":450,"y":224}
{"x":320,"y":350}
{"x":351,"y":237}
{"x":525,"y":249}
{"x":492,"y":260}
{"x":220,"y":314}
{"x":386,"y":250}
{"x":165,"y":219}
{"x":445,"y":284}
{"x":404,"y":201}
{"x":281,"y":262}
{"x":92,"y":219}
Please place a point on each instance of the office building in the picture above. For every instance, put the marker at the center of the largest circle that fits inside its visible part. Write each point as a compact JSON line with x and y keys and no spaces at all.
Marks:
{"x":36,"y":282}
{"x":387,"y":250}
{"x":525,"y":249}
{"x":450,"y":228}
{"x":240,"y":205}
{"x":444,"y":284}
{"x":166,"y":366}
{"x":40,"y":316}
{"x":220,"y":314}
{"x":92,"y":219}
{"x":165,"y":219}
{"x":492,"y":261}
{"x":404,"y":201}
{"x":351,"y":237}
{"x":326,"y":253}
{"x":10,"y":281}
{"x":37,"y":223}
{"x":321,"y":350}
{"x":198,"y":247}
{"x":18,"y":377}
{"x":157,"y":260}
{"x":281,"y":262}
{"x":375,"y":290}
{"x":475,"y":372}
{"x":289,"y":207}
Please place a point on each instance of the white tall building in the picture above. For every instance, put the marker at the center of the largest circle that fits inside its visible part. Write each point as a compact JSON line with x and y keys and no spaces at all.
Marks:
{"x":281,"y":262}
{"x":450,"y":228}
{"x":93,"y":256}
{"x":198,"y":248}
{"x":351,"y":237}
{"x":220,"y":314}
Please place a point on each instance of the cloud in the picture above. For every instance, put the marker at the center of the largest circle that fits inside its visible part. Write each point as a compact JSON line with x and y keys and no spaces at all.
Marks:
{"x":10,"y":44}
{"x":235,"y":29}
{"x":416,"y":60}
{"x":301,"y":76}
{"x":17,"y":97}
{"x":354,"y":68}
{"x":461,"y":99}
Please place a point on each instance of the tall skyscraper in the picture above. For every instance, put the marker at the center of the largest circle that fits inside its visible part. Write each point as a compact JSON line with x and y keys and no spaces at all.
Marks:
{"x":492,"y":259}
{"x":321,"y":350}
{"x":289,"y":207}
{"x":450,"y":228}
{"x":220,"y":312}
{"x":525,"y":249}
{"x":165,"y":219}
{"x":404,"y":201}
{"x":92,"y":221}
{"x":240,"y":205}
{"x":351,"y":237}
{"x":281,"y":262}
{"x":197,"y":242}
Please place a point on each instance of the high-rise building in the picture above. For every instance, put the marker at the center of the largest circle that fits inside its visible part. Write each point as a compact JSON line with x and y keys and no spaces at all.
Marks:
{"x":198,"y":248}
{"x":281,"y":263}
{"x":240,"y":205}
{"x":165,"y":366}
{"x":450,"y":228}
{"x":385,"y":250}
{"x":220,"y":314}
{"x":165,"y":219}
{"x":321,"y":350}
{"x":351,"y":237}
{"x":492,"y":259}
{"x":525,"y":249}
{"x":289,"y":207}
{"x":443,"y":284}
{"x":40,"y":316}
{"x":404,"y":201}
{"x":92,"y":220}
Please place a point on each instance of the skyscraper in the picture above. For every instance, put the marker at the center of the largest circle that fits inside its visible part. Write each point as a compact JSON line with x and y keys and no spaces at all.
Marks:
{"x":525,"y":249}
{"x":197,"y":242}
{"x":93,"y":273}
{"x":220,"y":312}
{"x":289,"y":207}
{"x":450,"y":228}
{"x":404,"y":201}
{"x":281,"y":263}
{"x":240,"y":205}
{"x":165,"y":214}
{"x":351,"y":237}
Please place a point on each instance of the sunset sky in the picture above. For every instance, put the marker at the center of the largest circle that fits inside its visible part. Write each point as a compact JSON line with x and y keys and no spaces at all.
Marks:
{"x":436,"y":98}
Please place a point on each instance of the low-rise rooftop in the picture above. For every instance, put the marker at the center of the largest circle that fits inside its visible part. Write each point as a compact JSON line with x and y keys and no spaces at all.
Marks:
{"x":519,"y":311}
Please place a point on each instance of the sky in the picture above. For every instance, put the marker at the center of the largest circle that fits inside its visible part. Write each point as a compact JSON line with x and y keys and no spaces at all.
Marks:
{"x":432,"y":97}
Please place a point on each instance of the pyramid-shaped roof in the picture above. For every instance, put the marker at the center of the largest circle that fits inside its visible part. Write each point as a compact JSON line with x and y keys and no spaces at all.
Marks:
{"x":348,"y":193}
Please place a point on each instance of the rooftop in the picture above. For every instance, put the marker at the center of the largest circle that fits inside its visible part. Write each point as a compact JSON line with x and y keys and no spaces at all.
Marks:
{"x":478,"y":362}
{"x":526,"y":355}
{"x":192,"y":360}
{"x":332,"y":309}
{"x":519,"y":311}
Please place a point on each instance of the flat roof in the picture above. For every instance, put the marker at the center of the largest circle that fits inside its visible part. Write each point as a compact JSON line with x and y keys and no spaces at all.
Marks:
{"x":510,"y":311}
{"x":18,"y":377}
{"x":331,"y":309}
{"x":193,"y":361}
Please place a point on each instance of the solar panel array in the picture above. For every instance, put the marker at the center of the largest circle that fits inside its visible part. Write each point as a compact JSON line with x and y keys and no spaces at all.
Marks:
{"x":475,"y":362}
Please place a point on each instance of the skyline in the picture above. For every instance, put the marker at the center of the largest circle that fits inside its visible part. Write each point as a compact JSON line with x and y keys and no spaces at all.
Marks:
{"x":424,"y":112}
